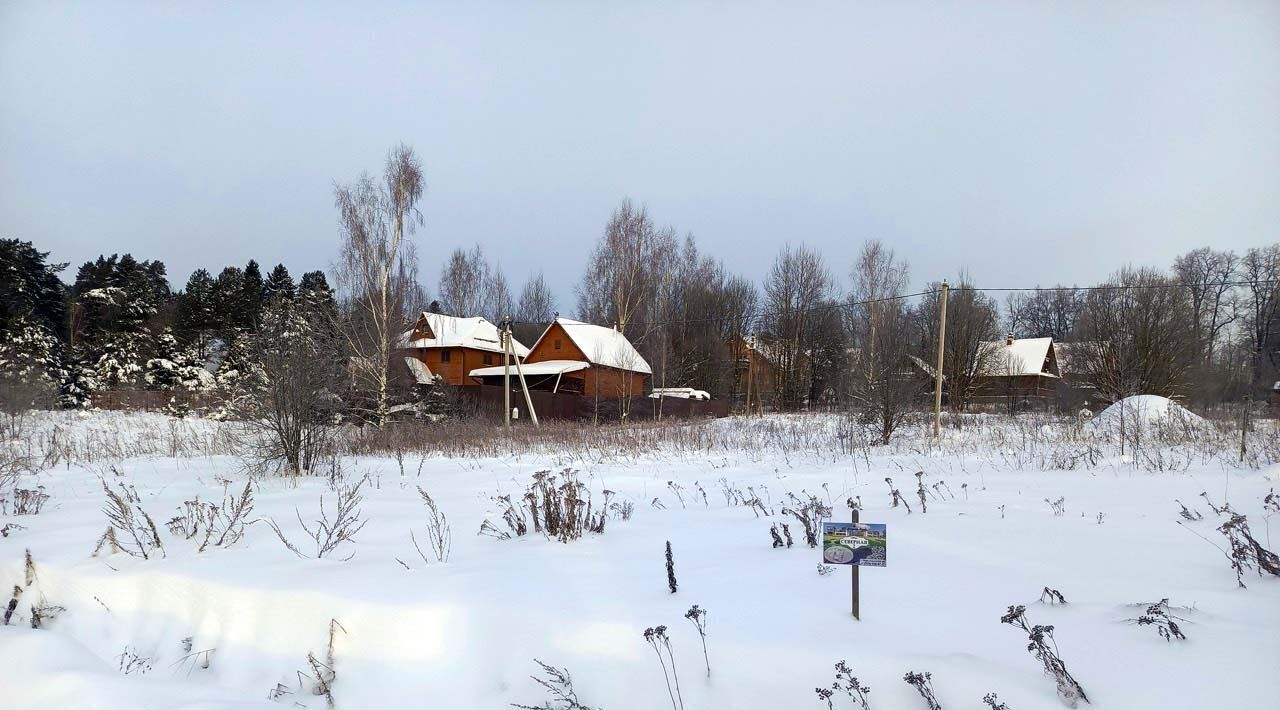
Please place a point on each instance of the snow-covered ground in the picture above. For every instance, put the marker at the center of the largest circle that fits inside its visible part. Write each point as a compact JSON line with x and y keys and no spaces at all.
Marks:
{"x":463,"y":634}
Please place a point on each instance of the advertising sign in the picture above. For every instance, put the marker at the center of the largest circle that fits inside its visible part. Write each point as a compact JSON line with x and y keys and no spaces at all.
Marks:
{"x":860,"y":544}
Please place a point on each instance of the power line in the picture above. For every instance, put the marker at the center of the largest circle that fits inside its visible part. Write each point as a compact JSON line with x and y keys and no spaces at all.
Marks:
{"x":756,"y":317}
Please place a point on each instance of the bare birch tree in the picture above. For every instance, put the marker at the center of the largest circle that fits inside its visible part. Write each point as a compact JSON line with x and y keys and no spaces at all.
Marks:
{"x":882,"y":384}
{"x":624,"y":272}
{"x":463,"y":282}
{"x":535,"y":309}
{"x":377,"y":270}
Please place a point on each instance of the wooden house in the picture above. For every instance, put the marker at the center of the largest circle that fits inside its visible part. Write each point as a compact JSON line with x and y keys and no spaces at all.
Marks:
{"x":579,"y":358}
{"x":1017,"y":372}
{"x":446,"y":349}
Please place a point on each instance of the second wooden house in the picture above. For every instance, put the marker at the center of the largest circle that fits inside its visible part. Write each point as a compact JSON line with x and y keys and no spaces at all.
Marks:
{"x":579,"y":358}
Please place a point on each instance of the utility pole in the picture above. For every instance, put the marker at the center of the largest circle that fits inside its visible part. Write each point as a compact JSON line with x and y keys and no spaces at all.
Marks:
{"x":937,"y":375}
{"x":506,"y":373}
{"x":511,"y":351}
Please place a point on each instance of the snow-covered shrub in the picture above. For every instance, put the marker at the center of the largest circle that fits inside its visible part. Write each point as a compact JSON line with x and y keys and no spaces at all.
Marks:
{"x":1042,"y":645}
{"x":993,"y":701}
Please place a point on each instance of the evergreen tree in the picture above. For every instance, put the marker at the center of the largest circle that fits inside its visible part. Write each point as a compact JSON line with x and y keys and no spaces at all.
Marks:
{"x":162,"y":369}
{"x":30,"y":366}
{"x":196,"y":321}
{"x":29,"y":287}
{"x":280,"y":285}
{"x":227,"y":289}
{"x":252,"y":296}
{"x":78,"y":382}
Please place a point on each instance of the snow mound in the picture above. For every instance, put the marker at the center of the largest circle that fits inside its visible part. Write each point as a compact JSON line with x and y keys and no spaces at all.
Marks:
{"x":1146,"y":411}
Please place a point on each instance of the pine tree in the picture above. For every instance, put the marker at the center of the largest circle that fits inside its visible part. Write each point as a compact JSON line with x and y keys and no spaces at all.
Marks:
{"x":225,"y":301}
{"x":196,"y":320}
{"x":161,"y":371}
{"x":280,"y":285}
{"x":30,"y":366}
{"x":252,"y":297}
{"x":78,"y":383}
{"x":29,"y":287}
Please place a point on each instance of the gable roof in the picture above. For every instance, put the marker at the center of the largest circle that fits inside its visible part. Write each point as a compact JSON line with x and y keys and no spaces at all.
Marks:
{"x":453,"y":332}
{"x":1025,"y":356}
{"x":602,"y":346}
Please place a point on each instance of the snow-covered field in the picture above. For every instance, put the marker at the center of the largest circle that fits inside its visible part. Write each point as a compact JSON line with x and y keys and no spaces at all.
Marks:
{"x":465,"y":633}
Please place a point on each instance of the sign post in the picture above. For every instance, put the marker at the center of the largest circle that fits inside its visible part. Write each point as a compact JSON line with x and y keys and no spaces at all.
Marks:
{"x":853,"y":515}
{"x":855,"y":544}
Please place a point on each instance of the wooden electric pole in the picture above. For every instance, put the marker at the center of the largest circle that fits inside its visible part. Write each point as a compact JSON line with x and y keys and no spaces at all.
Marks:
{"x":511,"y":352}
{"x":937,"y":375}
{"x":506,"y":373}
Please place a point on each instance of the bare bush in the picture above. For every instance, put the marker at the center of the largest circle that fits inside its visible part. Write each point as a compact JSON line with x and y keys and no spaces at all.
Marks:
{"x":810,"y":513}
{"x":560,"y":506}
{"x":846,"y":682}
{"x":658,"y":640}
{"x":923,"y":683}
{"x":130,"y":529}
{"x":1165,"y":622}
{"x":439,"y":534}
{"x":216,"y":525}
{"x":1042,"y":645}
{"x":559,"y":686}
{"x":331,"y":531}
{"x":1245,"y":552}
{"x":29,"y":502}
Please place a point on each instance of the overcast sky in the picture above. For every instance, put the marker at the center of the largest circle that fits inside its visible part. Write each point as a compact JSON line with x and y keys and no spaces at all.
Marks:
{"x":1031,"y":142}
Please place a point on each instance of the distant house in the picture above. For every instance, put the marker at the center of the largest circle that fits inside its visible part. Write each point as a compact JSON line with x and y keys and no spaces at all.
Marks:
{"x":444,"y":348}
{"x":756,"y":365}
{"x":580,"y":358}
{"x":1018,"y":372}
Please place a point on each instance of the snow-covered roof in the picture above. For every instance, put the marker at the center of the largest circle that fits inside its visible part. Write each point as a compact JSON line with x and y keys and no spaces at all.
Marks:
{"x":602,"y":346}
{"x":452,"y":332}
{"x":679,"y":393}
{"x":421,"y":373}
{"x":531,"y":369}
{"x":1024,"y":356}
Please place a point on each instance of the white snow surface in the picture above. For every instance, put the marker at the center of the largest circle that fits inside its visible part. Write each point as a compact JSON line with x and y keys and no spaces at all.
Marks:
{"x":463,"y":634}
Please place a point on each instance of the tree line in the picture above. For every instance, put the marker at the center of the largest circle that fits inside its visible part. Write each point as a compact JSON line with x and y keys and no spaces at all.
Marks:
{"x":1207,"y":328}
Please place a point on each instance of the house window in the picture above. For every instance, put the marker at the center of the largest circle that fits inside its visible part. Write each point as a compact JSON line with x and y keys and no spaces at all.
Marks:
{"x":488,"y":359}
{"x":557,"y":343}
{"x":444,"y":355}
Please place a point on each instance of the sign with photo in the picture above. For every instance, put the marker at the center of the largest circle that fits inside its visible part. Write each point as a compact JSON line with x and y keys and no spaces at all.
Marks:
{"x":861,"y":544}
